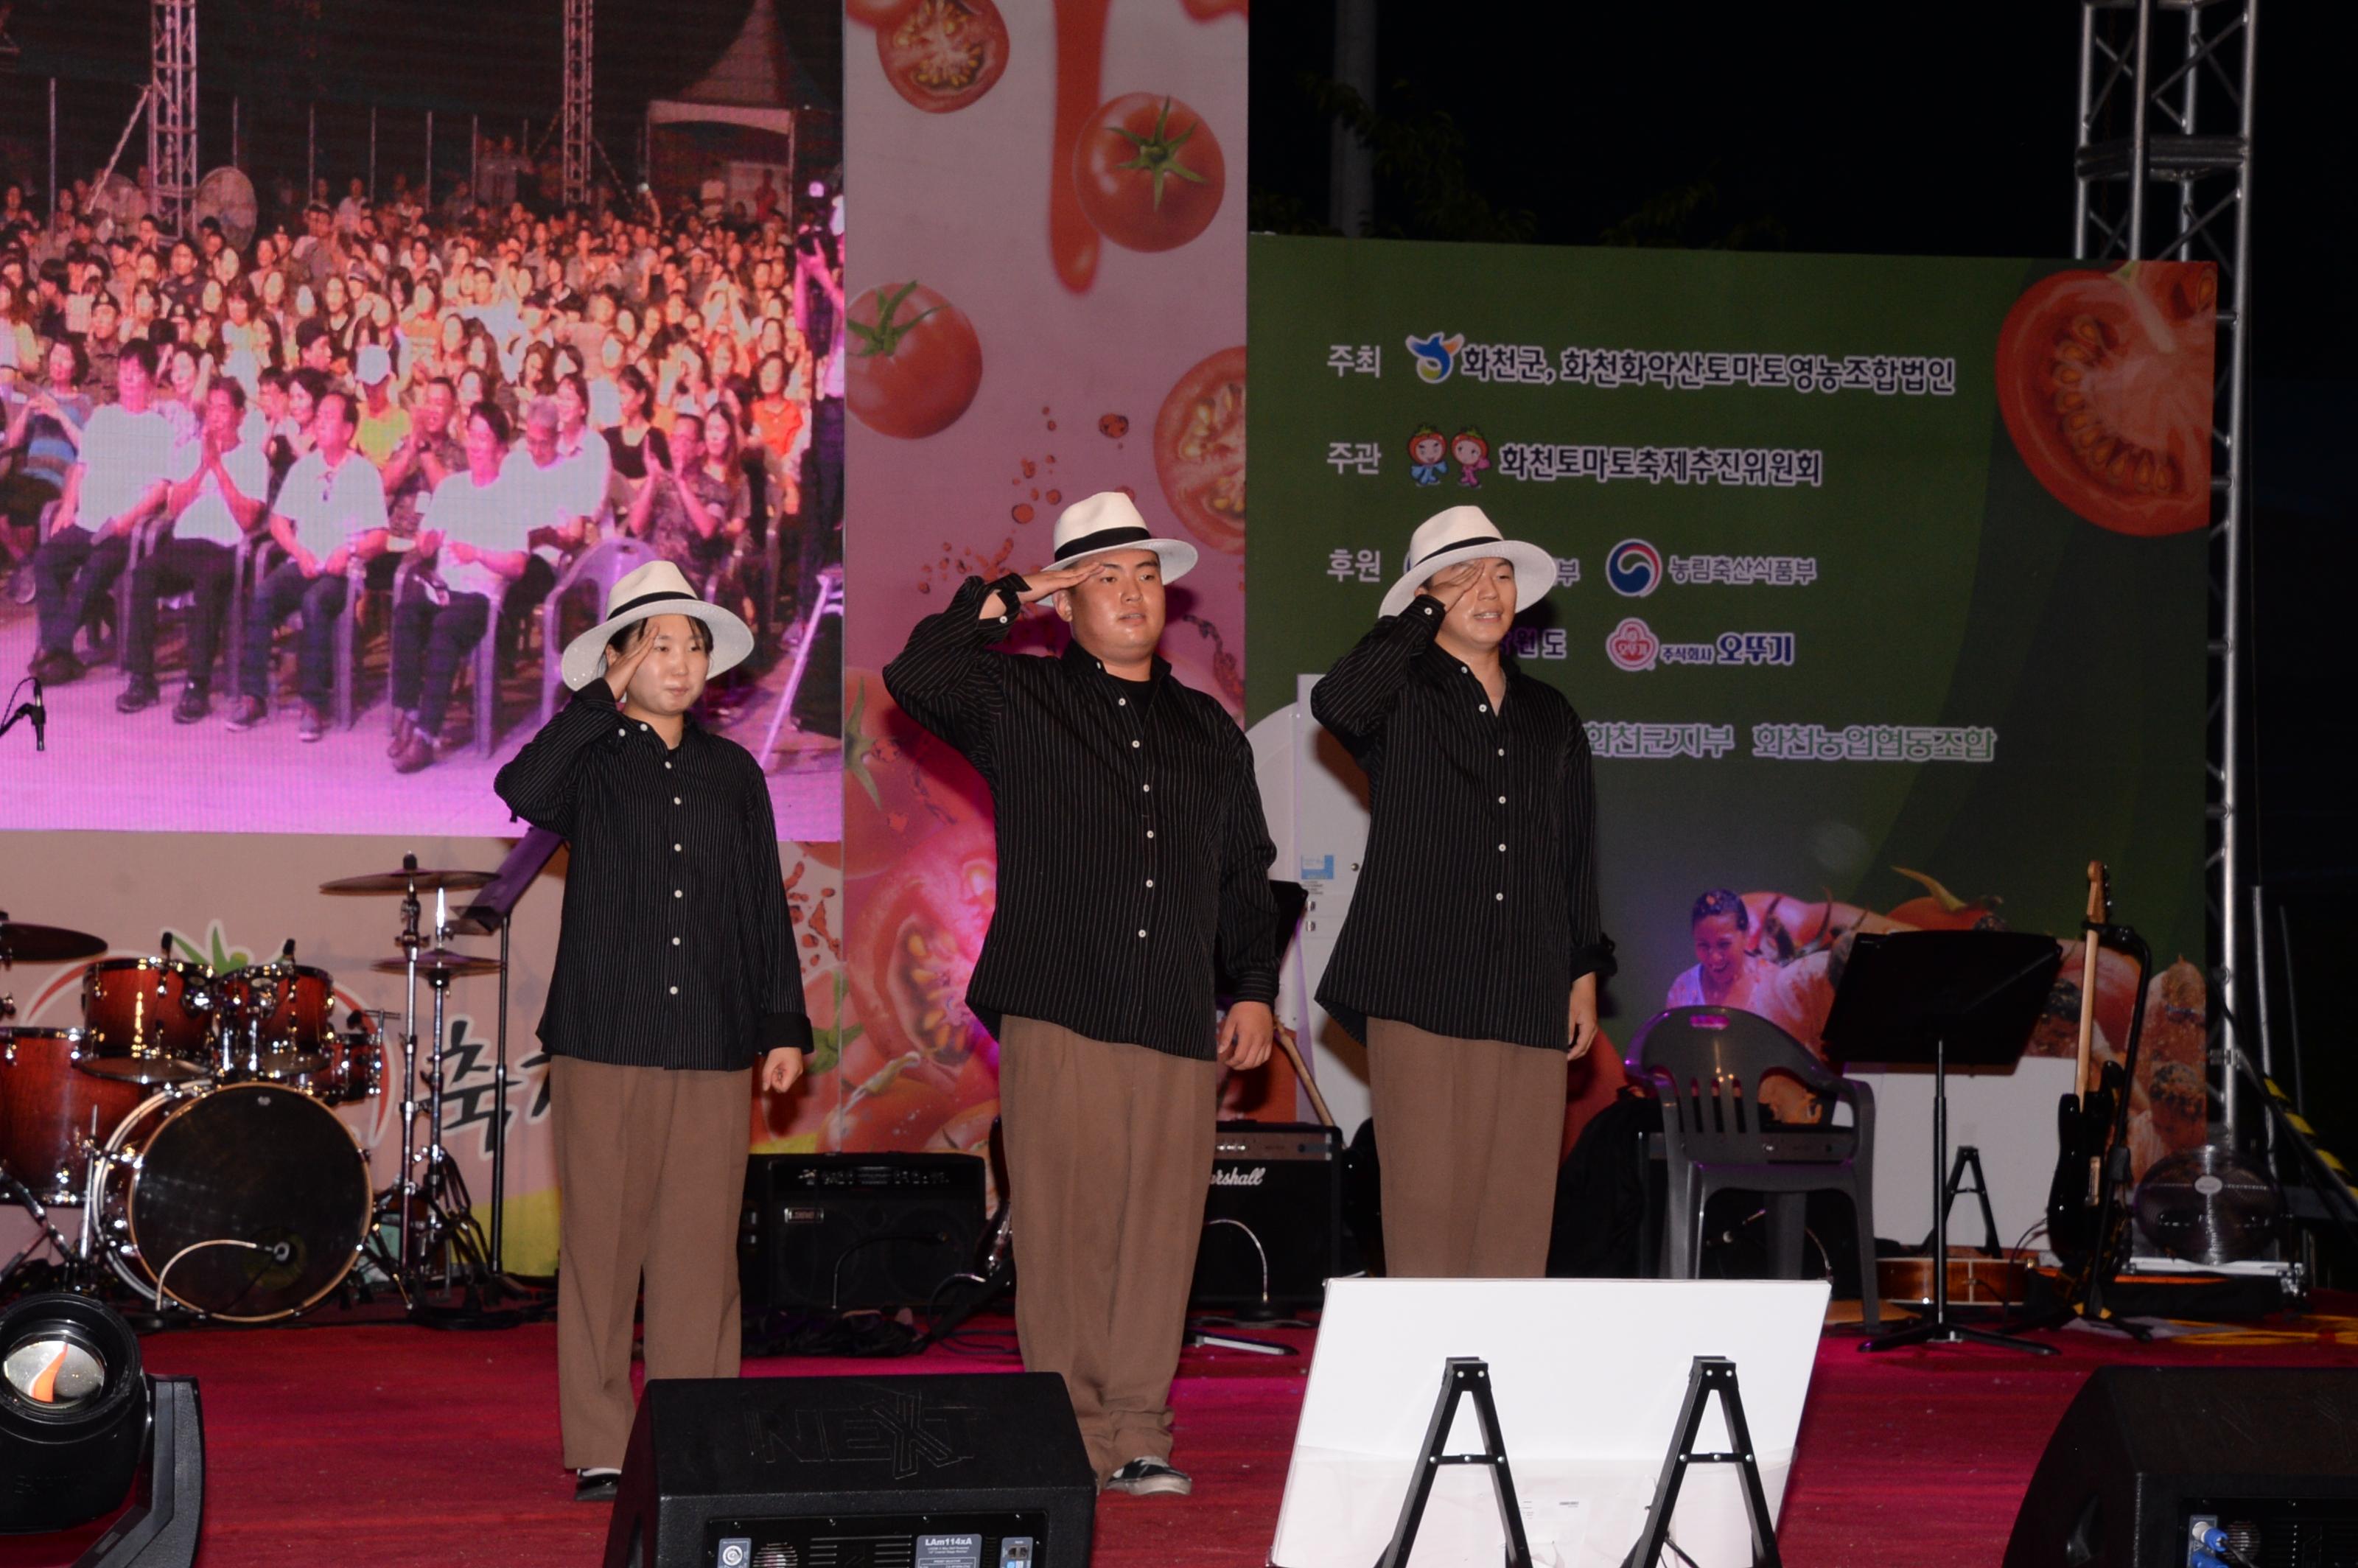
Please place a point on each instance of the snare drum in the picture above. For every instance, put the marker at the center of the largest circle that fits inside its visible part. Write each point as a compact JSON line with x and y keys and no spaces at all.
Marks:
{"x":275,"y":1022}
{"x":250,"y":1202}
{"x":52,"y":1114}
{"x":146,"y":1020}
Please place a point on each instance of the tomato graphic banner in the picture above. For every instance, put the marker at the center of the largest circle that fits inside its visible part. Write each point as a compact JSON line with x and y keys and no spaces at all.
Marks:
{"x":1045,"y":299}
{"x":1880,"y":588}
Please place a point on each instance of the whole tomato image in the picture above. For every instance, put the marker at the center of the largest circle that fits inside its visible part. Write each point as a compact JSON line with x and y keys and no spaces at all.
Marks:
{"x":1148,"y":172}
{"x":916,"y":361}
{"x":1199,"y":449}
{"x":940,"y":55}
{"x":911,"y":951}
{"x":2103,"y":379}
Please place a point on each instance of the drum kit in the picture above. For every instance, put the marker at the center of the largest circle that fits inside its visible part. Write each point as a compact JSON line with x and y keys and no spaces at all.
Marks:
{"x":191,"y":1118}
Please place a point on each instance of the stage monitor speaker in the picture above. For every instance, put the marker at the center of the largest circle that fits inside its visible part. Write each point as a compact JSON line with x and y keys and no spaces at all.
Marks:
{"x":969,"y":1470}
{"x":1275,"y":1203}
{"x":2146,"y":1458}
{"x":832,"y":1232}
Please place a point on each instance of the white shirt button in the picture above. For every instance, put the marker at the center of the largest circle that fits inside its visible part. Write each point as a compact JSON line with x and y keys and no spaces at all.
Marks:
{"x":1121,"y":702}
{"x":642,"y":729}
{"x":674,"y":799}
{"x":675,"y":849}
{"x":1150,"y":832}
{"x":1150,"y":881}
{"x":1503,"y":849}
{"x":1147,"y":788}
{"x":1133,"y":745}
{"x":677,"y":892}
{"x":675,"y":990}
{"x":675,"y":941}
{"x":1465,"y":670}
{"x":1502,"y":800}
{"x":1481,"y":708}
{"x":1002,"y":620}
{"x":1501,"y":897}
{"x":1142,"y":934}
{"x":1502,"y":750}
{"x":668,"y":768}
{"x":620,"y":731}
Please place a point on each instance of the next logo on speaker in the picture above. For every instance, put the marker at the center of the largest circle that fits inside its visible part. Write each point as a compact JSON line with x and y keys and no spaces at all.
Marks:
{"x":900,"y":1431}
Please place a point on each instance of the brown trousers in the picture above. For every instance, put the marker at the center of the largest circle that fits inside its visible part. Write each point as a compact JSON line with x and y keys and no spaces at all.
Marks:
{"x":1468,"y":1132}
{"x":1108,"y":1157}
{"x":650,"y":1176}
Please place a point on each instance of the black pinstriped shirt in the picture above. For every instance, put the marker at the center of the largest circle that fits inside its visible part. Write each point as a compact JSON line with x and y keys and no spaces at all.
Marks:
{"x":1476,"y":903}
{"x":675,"y":949}
{"x":1132,"y":847}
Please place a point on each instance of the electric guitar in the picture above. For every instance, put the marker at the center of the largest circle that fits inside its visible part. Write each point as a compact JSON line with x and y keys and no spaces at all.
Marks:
{"x":2085,"y":1119}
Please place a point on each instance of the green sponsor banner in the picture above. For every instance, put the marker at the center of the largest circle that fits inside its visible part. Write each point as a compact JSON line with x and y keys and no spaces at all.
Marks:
{"x":1864,"y":562}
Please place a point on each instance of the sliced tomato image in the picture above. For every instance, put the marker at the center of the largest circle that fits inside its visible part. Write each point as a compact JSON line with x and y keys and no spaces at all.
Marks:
{"x":911,"y":951}
{"x":940,"y":55}
{"x":2104,"y":381}
{"x":916,"y":361}
{"x":1199,"y":449}
{"x":876,"y":13}
{"x":1148,"y":172}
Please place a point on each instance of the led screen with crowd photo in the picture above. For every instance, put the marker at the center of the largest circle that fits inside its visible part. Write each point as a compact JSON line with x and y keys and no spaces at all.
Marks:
{"x":306,"y":493}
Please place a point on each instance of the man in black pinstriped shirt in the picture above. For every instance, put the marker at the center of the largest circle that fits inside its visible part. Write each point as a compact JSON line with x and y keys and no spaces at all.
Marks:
{"x":1470,"y":959}
{"x":1131,"y":847}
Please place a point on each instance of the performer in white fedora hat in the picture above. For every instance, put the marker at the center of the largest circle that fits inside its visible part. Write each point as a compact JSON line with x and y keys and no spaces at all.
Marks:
{"x":1131,"y":847}
{"x":676,"y":973}
{"x":1470,"y":959}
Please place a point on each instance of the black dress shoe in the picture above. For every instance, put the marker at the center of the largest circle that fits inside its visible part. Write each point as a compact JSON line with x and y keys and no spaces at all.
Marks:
{"x":137,"y":694}
{"x":1144,"y":1478}
{"x":596,"y":1484}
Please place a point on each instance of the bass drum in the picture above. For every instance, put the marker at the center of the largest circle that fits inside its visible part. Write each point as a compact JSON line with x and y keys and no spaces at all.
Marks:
{"x":250,"y":1202}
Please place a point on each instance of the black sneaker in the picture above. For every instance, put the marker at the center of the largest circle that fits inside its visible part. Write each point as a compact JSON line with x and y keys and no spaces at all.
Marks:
{"x":137,"y":694}
{"x":246,"y":713}
{"x":1149,"y":1477}
{"x":194,"y":705}
{"x":596,"y":1484}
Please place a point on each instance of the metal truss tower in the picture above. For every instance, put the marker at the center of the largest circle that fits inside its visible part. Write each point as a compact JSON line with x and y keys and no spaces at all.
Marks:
{"x":575,"y":129}
{"x":2164,"y":171}
{"x":172,"y":110}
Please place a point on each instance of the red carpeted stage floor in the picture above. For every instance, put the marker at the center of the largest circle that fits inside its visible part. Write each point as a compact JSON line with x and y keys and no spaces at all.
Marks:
{"x":400,"y":1448}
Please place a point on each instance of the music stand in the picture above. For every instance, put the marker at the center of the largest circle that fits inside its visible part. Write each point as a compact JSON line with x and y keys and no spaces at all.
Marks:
{"x":1934,"y":996}
{"x":490,"y":912}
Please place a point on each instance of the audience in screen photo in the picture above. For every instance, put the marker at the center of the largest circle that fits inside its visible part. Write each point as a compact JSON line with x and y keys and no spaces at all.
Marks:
{"x":1796,"y":994}
{"x":335,"y":465}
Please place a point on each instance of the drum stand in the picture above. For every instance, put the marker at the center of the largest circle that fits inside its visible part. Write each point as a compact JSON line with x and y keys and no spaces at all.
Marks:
{"x":72,"y":1264}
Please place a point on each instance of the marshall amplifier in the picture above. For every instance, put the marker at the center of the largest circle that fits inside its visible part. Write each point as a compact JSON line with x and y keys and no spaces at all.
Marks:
{"x":826,"y":1233}
{"x":969,"y":1470}
{"x":1273,"y":1220}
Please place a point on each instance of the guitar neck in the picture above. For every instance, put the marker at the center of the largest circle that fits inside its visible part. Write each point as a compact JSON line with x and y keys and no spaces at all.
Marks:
{"x":2100,"y":910}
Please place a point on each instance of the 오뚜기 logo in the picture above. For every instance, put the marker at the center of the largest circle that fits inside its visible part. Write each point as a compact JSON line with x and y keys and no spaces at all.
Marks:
{"x":1634,"y":567}
{"x":1436,"y":355}
{"x":1632,"y":645}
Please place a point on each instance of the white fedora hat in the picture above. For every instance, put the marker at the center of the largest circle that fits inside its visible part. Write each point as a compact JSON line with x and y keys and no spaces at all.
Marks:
{"x":1110,"y":521}
{"x":659,"y":588}
{"x":1466,"y":533}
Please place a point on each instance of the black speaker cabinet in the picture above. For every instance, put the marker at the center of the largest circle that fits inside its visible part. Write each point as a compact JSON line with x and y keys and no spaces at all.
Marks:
{"x":2146,"y":1456}
{"x":969,"y":1470}
{"x":827,"y":1232}
{"x":1277,"y":1194}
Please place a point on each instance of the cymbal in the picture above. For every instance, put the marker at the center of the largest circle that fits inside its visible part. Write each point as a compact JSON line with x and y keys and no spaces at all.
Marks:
{"x":47,"y":944}
{"x":440,"y":961}
{"x":402,"y":882}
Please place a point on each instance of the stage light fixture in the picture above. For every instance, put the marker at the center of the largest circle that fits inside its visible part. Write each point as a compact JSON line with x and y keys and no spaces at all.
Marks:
{"x":81,"y":1420}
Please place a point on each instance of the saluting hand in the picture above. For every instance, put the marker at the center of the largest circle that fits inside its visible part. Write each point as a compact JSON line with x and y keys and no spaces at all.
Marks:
{"x":1041,"y":585}
{"x":1246,"y":1035}
{"x":1451,"y":586}
{"x":619,"y":672}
